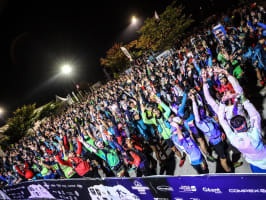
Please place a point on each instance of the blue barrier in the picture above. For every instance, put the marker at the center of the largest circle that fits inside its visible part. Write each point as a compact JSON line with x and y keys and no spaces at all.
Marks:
{"x":224,"y":186}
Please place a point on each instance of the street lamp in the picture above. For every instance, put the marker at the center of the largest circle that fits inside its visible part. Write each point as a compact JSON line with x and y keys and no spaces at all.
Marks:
{"x":66,"y":69}
{"x":134,"y":20}
{"x":1,"y":111}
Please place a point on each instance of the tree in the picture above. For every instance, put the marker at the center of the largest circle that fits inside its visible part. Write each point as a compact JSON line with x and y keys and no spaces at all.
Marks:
{"x":49,"y":109}
{"x":20,"y":122}
{"x":115,"y":59}
{"x":163,"y":34}
{"x":135,"y":52}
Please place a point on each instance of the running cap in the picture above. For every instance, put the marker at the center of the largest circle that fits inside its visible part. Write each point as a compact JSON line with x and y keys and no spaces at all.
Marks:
{"x":238,"y":122}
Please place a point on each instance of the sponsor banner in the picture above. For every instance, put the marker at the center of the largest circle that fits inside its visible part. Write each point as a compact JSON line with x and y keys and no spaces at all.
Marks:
{"x":216,"y":187}
{"x":219,"y":32}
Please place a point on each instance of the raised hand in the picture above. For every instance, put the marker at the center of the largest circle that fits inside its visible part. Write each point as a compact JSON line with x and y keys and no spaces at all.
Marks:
{"x":218,"y":69}
{"x":227,"y":96}
{"x":191,"y":95}
{"x":204,"y":75}
{"x":80,"y":138}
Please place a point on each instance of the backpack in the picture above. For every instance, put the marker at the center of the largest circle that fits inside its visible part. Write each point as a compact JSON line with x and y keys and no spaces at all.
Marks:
{"x":111,"y":158}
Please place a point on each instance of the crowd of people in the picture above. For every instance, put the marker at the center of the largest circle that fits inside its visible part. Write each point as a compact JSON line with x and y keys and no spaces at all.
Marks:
{"x":191,"y":100}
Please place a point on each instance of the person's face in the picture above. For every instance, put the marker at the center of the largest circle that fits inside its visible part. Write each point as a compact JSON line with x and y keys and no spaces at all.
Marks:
{"x":156,"y":112}
{"x":262,"y":41}
{"x":223,"y":81}
{"x":136,"y":117}
{"x":129,"y":143}
{"x":110,"y":123}
{"x":71,"y":155}
{"x":149,"y":109}
{"x":100,"y":145}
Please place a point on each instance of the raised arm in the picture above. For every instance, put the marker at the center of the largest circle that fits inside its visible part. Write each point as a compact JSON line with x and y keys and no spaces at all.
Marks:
{"x":19,"y":171}
{"x":167,"y":110}
{"x":195,"y":108}
{"x":209,"y":98}
{"x":182,"y":107}
{"x":63,"y":162}
{"x":145,"y":119}
{"x":88,"y":146}
{"x":238,"y":89}
{"x":79,"y":147}
{"x":197,"y":66}
{"x":175,"y":125}
{"x":255,"y":119}
{"x":223,"y":122}
{"x":65,"y":142}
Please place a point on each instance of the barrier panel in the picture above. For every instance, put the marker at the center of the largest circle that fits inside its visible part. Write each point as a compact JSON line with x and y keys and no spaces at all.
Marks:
{"x":225,"y":186}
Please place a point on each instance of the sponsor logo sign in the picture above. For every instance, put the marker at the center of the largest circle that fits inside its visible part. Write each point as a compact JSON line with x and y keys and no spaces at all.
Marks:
{"x":139,"y":187}
{"x":187,"y":188}
{"x":165,"y":188}
{"x":213,"y":190}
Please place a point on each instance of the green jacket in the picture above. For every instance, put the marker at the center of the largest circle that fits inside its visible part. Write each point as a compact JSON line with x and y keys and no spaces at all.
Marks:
{"x":162,"y":124}
{"x":222,"y":59}
{"x":109,"y":155}
{"x":68,"y":171}
{"x":237,"y":69}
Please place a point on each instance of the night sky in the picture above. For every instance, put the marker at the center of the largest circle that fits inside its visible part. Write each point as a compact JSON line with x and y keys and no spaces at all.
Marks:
{"x":37,"y":37}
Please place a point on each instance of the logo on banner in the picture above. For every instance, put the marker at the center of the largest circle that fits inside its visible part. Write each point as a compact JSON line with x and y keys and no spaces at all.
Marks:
{"x":188,"y":188}
{"x":38,"y":191}
{"x":165,"y":188}
{"x":46,"y":185}
{"x":214,"y":190}
{"x":108,"y":192}
{"x":138,"y":186}
{"x":247,"y":191}
{"x":3,"y":195}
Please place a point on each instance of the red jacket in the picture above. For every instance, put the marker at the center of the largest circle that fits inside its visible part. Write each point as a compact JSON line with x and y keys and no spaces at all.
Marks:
{"x":135,"y":156}
{"x":28,"y":174}
{"x":81,"y":166}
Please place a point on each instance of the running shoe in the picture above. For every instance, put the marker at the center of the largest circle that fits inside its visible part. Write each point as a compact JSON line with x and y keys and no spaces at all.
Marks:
{"x":210,"y":158}
{"x":263,"y":91}
{"x":237,"y":164}
{"x":182,"y":161}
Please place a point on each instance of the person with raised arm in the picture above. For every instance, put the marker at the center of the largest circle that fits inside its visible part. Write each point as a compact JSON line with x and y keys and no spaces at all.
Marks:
{"x":210,"y":128}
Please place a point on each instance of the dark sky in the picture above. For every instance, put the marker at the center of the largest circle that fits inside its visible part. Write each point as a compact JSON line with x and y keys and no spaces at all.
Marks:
{"x":37,"y":37}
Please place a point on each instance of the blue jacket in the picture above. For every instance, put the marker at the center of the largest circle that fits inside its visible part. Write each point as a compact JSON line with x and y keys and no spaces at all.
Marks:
{"x":260,"y":56}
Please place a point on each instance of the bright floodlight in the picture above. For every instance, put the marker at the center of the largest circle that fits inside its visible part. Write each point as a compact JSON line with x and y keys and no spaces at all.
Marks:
{"x":134,"y":20}
{"x":1,"y":111}
{"x":66,"y":69}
